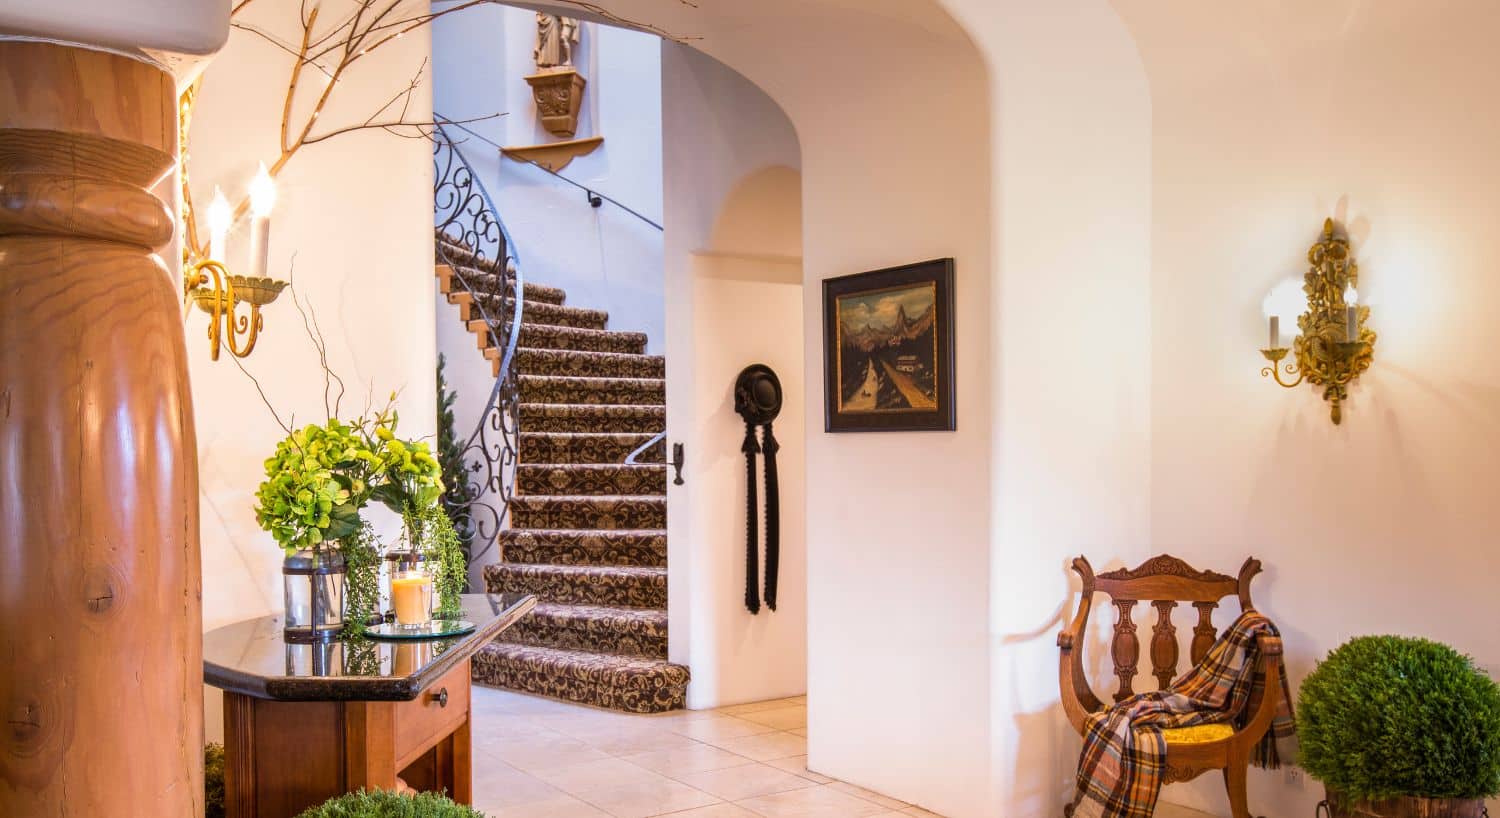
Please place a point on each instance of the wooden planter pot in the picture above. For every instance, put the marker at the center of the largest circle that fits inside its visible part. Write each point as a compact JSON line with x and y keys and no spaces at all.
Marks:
{"x":1405,"y":807}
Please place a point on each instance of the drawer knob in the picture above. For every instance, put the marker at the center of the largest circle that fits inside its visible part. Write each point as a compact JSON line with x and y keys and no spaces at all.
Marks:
{"x":441,"y":697}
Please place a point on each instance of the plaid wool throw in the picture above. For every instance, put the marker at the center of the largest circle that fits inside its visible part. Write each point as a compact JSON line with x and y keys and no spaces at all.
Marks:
{"x":1124,"y":756}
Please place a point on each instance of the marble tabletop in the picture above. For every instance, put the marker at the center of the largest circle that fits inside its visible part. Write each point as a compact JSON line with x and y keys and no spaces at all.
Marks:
{"x":250,"y":657}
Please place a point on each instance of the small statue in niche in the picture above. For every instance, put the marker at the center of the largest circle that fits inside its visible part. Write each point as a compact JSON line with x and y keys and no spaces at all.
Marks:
{"x":555,"y":37}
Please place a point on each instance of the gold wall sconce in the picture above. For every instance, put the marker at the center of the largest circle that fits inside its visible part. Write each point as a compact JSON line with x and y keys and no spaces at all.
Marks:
{"x":210,"y":285}
{"x":1332,"y":346}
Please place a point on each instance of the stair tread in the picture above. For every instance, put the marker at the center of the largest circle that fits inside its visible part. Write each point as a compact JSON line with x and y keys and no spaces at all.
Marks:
{"x":616,"y":435}
{"x":631,"y":683}
{"x":591,"y":498}
{"x":640,"y":571}
{"x":600,"y":617}
{"x":574,"y":409}
{"x":607,"y":533}
{"x":583,"y":332}
{"x":586,"y":546}
{"x":649,"y":467}
{"x":586,"y":659}
{"x":626,"y":586}
{"x":586,"y":353}
{"x":536,"y":313}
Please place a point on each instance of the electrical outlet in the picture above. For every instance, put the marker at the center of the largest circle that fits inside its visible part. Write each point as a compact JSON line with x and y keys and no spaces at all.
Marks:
{"x":1295,"y":777}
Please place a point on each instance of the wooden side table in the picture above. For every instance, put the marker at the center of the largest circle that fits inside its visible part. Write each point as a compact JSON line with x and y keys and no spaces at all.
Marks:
{"x":307,"y":722}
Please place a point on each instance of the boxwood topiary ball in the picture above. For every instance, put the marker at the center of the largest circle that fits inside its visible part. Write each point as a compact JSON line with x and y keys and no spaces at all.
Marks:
{"x":1387,"y":716}
{"x":382,"y":804}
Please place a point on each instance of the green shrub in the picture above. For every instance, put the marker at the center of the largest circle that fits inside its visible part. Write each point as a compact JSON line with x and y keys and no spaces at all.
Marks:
{"x":213,"y":781}
{"x":1386,"y":716}
{"x":382,"y":804}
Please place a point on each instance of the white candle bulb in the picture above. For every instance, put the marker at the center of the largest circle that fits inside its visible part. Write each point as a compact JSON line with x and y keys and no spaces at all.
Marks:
{"x":1285,"y":300}
{"x":219,"y":217}
{"x":1269,"y":307}
{"x":262,"y":192}
{"x":262,"y":199}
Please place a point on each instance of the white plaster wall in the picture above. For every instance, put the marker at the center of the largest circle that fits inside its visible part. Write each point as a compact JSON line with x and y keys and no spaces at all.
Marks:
{"x":734,"y":284}
{"x":1070,"y":351}
{"x":356,"y":214}
{"x":605,"y":258}
{"x":1267,"y":119}
{"x":885,"y":99}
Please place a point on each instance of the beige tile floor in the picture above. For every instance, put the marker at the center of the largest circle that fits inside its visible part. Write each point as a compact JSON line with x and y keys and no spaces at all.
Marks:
{"x":539,"y":758}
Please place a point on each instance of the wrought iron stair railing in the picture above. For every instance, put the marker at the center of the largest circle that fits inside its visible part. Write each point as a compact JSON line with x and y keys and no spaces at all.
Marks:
{"x":473,"y":242}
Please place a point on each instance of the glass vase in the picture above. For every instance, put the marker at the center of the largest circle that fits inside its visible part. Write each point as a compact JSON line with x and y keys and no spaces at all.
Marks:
{"x":313,"y":581}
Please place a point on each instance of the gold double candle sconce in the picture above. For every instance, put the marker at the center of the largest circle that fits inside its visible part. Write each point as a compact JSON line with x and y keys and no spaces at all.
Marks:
{"x":1332,"y":346}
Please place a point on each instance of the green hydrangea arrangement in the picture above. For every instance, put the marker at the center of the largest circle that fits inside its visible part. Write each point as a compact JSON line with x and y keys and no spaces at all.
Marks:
{"x":322,"y":476}
{"x":412,"y":480}
{"x":316,"y":483}
{"x":1389,"y":716}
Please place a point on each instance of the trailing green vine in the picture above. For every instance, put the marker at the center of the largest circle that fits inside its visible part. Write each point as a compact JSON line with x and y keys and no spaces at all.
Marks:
{"x":361,"y":552}
{"x":435,"y":537}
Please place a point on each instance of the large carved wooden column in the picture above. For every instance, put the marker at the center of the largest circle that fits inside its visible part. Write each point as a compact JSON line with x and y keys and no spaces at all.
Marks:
{"x":100,"y":621}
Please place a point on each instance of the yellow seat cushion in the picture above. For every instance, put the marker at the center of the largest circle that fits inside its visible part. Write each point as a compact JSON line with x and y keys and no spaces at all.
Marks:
{"x":1198,"y":733}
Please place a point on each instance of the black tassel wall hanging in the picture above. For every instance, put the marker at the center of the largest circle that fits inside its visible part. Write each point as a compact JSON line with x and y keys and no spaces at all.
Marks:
{"x":757,"y":398}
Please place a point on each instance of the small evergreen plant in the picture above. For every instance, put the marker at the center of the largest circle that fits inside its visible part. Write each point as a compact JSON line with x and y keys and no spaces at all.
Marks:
{"x":213,"y":780}
{"x":1388,"y":716}
{"x":382,"y":804}
{"x":458,"y":492}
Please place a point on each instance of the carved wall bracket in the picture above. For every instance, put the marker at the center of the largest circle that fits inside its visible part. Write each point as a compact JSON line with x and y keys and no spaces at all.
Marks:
{"x":559,"y":98}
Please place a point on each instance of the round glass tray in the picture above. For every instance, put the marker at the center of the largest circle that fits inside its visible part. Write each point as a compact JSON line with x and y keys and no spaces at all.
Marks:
{"x":435,"y":629}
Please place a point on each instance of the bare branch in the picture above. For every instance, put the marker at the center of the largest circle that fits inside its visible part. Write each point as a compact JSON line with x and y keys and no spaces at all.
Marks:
{"x":328,"y":371}
{"x":264,"y":36}
{"x":239,"y":7}
{"x":263,"y":399}
{"x":291,"y":89}
{"x":424,"y":127}
{"x":315,"y":334}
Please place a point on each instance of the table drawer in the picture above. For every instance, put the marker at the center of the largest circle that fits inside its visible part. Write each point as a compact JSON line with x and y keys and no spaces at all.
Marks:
{"x":438,"y":711}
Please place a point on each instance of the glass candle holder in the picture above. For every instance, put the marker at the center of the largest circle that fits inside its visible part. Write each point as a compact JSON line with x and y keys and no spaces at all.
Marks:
{"x":411,"y":597}
{"x":399,"y":562}
{"x":313,"y":584}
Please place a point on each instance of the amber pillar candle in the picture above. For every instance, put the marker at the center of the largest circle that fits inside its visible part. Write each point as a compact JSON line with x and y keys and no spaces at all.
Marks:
{"x":411,"y":596}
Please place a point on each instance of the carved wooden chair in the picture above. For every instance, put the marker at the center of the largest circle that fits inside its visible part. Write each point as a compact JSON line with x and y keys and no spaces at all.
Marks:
{"x":1164,"y":582}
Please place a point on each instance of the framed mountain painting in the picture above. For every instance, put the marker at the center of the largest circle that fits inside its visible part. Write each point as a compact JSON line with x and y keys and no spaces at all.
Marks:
{"x":888,"y":349}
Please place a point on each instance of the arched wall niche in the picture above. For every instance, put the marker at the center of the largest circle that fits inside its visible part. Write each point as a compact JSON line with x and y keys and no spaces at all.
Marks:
{"x":762,"y":215}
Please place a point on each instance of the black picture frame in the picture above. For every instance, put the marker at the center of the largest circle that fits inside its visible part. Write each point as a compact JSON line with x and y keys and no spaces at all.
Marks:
{"x":879,"y":379}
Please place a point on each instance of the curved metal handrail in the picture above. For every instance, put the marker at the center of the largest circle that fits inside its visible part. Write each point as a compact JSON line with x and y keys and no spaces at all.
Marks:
{"x":639,"y":450}
{"x":465,"y":214}
{"x":509,"y":259}
{"x":592,"y":194}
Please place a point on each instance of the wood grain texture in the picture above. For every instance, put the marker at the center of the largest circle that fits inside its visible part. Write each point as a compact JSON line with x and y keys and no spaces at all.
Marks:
{"x":1125,"y":649}
{"x":99,"y":509}
{"x":239,"y":755}
{"x":44,"y":86}
{"x":420,"y":722}
{"x":1164,"y":644}
{"x":370,"y":745}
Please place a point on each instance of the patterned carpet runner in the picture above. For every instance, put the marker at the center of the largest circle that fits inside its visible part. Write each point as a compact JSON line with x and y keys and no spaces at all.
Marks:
{"x":588,"y":533}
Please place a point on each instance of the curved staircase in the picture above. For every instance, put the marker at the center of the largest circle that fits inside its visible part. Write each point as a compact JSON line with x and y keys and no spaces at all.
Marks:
{"x":587,"y":531}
